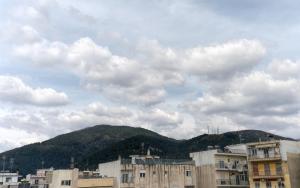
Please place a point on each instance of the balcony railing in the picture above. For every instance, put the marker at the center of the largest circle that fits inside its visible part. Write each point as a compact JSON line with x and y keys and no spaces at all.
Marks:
{"x":263,"y":157}
{"x":231,"y":167}
{"x":232,"y":182}
{"x":267,"y":174}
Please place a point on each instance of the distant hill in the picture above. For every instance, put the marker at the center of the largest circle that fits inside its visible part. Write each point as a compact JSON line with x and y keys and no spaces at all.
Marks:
{"x":102,"y":143}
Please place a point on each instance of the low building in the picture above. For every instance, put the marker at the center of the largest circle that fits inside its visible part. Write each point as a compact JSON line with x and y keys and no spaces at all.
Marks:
{"x":221,"y":168}
{"x":9,"y":179}
{"x":148,"y":171}
{"x":39,"y":180}
{"x":274,"y":164}
{"x":66,"y":178}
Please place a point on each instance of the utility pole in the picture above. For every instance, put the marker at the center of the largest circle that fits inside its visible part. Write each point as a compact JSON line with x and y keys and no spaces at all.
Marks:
{"x":72,"y":163}
{"x":43,"y":163}
{"x":3,"y":162}
{"x":11,"y":164}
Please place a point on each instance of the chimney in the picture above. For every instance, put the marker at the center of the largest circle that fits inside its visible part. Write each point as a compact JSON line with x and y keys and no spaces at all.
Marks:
{"x":148,"y":152}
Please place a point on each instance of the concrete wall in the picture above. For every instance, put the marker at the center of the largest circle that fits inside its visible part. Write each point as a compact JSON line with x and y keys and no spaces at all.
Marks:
{"x":204,"y":157}
{"x":96,"y":183}
{"x":288,"y":147}
{"x":160,"y":176}
{"x":111,"y":169}
{"x":206,"y":176}
{"x":59,"y":175}
{"x":294,"y":169}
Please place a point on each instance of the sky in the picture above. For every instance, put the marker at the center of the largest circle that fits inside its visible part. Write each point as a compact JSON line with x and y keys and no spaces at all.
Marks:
{"x":176,"y":67}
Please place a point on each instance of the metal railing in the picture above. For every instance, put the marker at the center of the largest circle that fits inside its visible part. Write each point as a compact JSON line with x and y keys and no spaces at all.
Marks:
{"x":232,"y":182}
{"x":264,"y":157}
{"x":267,"y":173}
{"x":228,"y":166}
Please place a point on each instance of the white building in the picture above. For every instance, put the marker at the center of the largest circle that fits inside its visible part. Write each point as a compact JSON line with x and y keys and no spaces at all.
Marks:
{"x":221,"y":168}
{"x":8,"y":179}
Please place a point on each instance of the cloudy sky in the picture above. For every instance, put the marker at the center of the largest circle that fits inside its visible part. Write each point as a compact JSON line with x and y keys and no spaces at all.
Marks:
{"x":172,"y":66}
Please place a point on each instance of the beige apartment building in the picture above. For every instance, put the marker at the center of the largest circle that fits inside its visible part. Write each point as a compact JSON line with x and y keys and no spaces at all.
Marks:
{"x":69,"y":178}
{"x":221,"y":168}
{"x":274,"y":164}
{"x":147,"y":171}
{"x":40,"y":179}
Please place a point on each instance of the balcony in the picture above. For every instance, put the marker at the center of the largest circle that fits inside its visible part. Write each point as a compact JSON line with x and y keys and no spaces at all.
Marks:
{"x":269,"y":157}
{"x":267,"y":175}
{"x":232,"y":183}
{"x":231,"y":167}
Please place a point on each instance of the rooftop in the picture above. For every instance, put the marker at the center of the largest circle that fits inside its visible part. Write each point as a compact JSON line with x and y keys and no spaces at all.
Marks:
{"x":156,"y":161}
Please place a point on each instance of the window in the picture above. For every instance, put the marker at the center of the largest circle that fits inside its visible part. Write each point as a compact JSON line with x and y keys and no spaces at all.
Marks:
{"x":125,"y":178}
{"x":280,"y":185}
{"x":268,"y":184}
{"x":8,"y":179}
{"x":142,"y":174}
{"x":188,"y":173}
{"x":66,"y":182}
{"x":266,"y":152}
{"x":166,"y":173}
{"x":221,"y":164}
{"x":257,"y":185}
{"x":36,"y":182}
{"x":255,"y":169}
{"x":278,"y":169}
{"x":252,"y":152}
{"x":154,"y":172}
{"x":267,"y":169}
{"x":235,"y":164}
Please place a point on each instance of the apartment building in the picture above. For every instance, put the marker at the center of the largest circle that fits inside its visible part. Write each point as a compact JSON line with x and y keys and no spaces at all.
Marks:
{"x":40,"y":179}
{"x":65,"y":178}
{"x":148,"y":171}
{"x":221,"y":168}
{"x":9,"y":179}
{"x":274,"y":164}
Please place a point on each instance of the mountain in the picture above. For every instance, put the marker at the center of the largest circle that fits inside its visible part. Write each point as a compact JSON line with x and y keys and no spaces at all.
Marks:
{"x":102,"y":143}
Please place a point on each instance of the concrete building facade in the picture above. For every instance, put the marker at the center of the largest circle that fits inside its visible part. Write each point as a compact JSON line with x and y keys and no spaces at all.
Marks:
{"x":40,"y":179}
{"x":9,"y":179}
{"x":221,"y":168}
{"x":274,"y":164}
{"x":150,"y":172}
{"x":93,"y":179}
{"x":66,"y":178}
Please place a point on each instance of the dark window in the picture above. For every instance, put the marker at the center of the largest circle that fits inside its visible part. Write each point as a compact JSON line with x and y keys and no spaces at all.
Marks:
{"x":268,"y":184}
{"x":125,"y":178}
{"x":142,"y":174}
{"x":280,"y":185}
{"x":66,"y":182}
{"x":267,"y":169}
{"x":278,"y":169}
{"x":188,"y":173}
{"x":255,"y":169}
{"x":257,"y":185}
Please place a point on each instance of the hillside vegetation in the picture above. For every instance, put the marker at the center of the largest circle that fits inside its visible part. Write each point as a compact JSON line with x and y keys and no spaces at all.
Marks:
{"x":103,"y":143}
